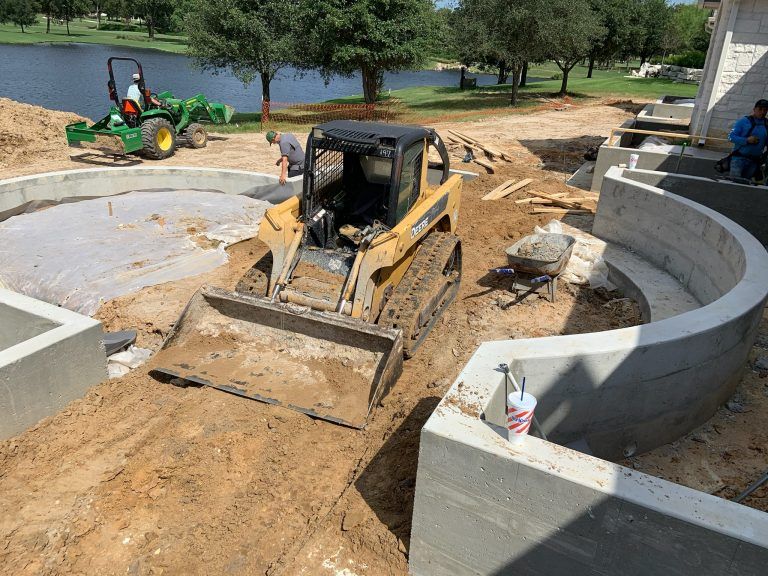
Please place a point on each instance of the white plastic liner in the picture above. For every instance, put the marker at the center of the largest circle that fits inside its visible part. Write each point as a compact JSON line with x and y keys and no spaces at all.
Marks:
{"x":78,"y":256}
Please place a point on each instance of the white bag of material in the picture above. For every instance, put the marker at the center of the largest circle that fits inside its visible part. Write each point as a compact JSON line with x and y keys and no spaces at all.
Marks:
{"x":586,"y":265}
{"x":120,"y":363}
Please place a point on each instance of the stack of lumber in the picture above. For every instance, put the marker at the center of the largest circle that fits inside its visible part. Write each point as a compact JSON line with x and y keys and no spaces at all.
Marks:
{"x":478,"y":148}
{"x":506,"y":189}
{"x":559,"y":203}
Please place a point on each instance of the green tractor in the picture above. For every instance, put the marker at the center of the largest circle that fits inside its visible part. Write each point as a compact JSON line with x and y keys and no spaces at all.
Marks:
{"x":150,"y":125}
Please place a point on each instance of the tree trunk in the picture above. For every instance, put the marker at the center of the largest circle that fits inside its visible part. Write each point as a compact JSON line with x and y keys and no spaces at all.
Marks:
{"x":48,"y":23}
{"x":591,"y":65}
{"x":463,"y":77}
{"x":98,"y":15}
{"x":22,"y":28}
{"x":524,"y":75}
{"x":266,"y":78}
{"x":503,"y":73}
{"x":66,"y":17}
{"x":151,"y":27}
{"x":642,"y":59}
{"x":517,"y":71}
{"x":564,"y":84}
{"x":372,"y":82}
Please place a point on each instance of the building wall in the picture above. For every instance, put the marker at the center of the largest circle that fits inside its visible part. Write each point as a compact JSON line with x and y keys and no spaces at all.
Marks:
{"x":743,"y":75}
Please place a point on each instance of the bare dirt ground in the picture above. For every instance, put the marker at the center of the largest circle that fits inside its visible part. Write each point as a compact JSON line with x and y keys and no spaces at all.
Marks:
{"x":141,"y":477}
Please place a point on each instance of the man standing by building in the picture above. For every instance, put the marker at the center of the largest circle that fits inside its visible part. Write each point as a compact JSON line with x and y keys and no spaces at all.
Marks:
{"x":749,"y":136}
{"x":291,"y":154}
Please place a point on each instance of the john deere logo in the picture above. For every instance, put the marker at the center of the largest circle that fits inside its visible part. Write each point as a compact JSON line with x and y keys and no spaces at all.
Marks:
{"x":419,"y":227}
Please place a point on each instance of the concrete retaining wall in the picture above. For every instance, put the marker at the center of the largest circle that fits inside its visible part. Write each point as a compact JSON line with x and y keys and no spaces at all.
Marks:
{"x":745,"y":205}
{"x":664,"y":117}
{"x":16,"y":193}
{"x":696,"y":162}
{"x":485,"y":507}
{"x":48,"y":357}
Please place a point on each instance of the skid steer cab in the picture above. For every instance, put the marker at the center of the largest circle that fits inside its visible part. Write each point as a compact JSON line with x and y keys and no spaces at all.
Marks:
{"x":148,"y":123}
{"x":358,"y":272}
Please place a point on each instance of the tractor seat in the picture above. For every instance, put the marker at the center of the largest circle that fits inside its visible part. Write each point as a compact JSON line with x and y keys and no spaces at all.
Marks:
{"x":130,"y":106}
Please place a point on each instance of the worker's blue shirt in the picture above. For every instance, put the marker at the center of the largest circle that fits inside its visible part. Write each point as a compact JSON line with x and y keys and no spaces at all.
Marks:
{"x":739,"y":133}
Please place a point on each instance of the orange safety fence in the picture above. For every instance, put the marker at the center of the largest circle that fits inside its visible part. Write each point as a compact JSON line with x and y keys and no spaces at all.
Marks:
{"x":317,"y":113}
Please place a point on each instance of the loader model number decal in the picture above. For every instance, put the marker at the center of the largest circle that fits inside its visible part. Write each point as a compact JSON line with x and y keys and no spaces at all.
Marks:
{"x":431,"y":214}
{"x":129,"y":136}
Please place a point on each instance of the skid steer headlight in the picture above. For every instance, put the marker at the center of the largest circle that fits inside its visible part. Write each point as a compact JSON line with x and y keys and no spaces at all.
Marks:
{"x":317,"y":133}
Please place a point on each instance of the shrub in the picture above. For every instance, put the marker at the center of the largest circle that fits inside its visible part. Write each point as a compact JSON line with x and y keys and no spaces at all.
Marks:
{"x":689,"y":59}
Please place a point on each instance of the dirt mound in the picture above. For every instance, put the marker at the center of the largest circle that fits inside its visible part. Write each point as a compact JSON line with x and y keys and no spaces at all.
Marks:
{"x":31,"y":133}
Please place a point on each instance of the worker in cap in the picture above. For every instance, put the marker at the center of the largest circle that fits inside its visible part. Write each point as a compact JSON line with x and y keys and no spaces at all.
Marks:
{"x":134,"y":92}
{"x":291,"y":159}
{"x":749,"y":136}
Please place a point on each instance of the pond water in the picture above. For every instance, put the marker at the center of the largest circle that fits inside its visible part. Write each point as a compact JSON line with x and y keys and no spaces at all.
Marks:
{"x":73,"y":77}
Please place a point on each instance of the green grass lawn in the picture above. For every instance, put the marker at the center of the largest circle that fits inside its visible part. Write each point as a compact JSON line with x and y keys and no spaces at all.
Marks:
{"x":85,"y":31}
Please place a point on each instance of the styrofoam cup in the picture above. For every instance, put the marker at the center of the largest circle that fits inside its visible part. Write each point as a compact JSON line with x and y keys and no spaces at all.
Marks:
{"x":519,"y":415}
{"x":633,"y":158}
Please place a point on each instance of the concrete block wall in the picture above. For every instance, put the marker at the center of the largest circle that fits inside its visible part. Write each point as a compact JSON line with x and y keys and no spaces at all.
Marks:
{"x":49,"y":356}
{"x":744,"y":75}
{"x":484,"y":506}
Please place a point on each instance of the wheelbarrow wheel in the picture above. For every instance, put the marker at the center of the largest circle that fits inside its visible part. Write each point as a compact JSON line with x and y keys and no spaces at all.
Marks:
{"x":159,"y":138}
{"x":196,"y":135}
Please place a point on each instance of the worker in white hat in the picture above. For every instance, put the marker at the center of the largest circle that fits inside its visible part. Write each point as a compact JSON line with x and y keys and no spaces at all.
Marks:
{"x":134,"y":93}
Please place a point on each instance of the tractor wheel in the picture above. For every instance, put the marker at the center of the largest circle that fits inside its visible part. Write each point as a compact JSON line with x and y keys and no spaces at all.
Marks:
{"x":196,"y":135}
{"x":159,"y":138}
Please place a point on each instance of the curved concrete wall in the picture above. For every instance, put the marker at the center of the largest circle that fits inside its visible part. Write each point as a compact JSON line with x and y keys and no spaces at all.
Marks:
{"x":50,"y":356}
{"x":486,"y":506}
{"x":15,"y":193}
{"x":633,"y":389}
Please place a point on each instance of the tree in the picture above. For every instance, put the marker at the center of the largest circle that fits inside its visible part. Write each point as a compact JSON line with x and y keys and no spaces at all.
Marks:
{"x":249,"y":37}
{"x":156,"y":13}
{"x":370,"y":36}
{"x":619,"y":20}
{"x":504,"y":32}
{"x":653,"y":18}
{"x":686,"y":30}
{"x":68,"y":10}
{"x":568,"y":29}
{"x":20,"y":12}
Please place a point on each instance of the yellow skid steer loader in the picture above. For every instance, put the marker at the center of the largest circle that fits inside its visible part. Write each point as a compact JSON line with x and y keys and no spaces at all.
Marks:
{"x":359,"y":269}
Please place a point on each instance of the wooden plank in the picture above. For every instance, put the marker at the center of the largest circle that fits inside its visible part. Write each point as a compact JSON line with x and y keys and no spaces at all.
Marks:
{"x":561,"y":211}
{"x":485,"y":164}
{"x":556,"y":201}
{"x":471,"y":140}
{"x":492,"y":193}
{"x":487,"y":149}
{"x":513,"y":188}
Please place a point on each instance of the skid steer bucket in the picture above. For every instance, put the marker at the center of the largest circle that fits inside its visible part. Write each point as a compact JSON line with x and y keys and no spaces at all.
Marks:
{"x":325,"y":365}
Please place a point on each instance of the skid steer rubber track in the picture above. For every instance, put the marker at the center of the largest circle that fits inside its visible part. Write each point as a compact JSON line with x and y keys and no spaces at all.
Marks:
{"x":426,"y":290}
